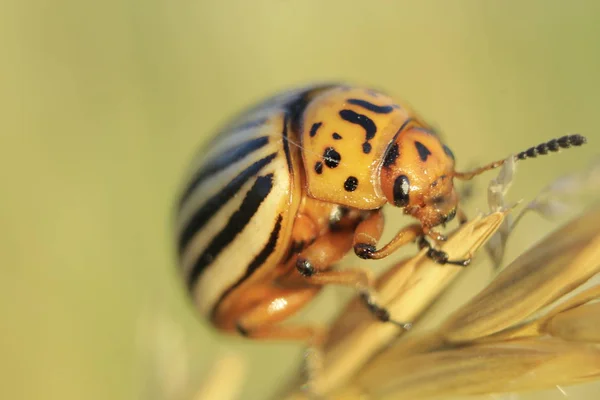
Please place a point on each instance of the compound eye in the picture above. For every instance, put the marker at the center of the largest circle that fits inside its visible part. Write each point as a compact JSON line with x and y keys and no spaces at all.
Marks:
{"x":401,"y":191}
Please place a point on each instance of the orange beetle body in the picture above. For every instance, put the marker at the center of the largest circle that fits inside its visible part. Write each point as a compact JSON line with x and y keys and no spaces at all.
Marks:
{"x":292,"y":186}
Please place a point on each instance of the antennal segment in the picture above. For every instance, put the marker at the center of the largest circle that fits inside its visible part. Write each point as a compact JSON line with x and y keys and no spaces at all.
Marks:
{"x":553,"y":145}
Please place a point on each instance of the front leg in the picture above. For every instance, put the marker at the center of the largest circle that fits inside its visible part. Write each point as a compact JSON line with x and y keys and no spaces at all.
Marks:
{"x":439,"y":256}
{"x":369,"y":232}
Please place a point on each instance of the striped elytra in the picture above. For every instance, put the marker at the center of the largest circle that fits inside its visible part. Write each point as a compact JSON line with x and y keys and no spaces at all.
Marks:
{"x":292,"y":185}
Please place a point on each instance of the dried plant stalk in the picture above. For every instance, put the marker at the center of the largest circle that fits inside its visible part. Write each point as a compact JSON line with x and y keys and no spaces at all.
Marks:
{"x":580,"y":324}
{"x":225,"y":380}
{"x":475,"y":350}
{"x":540,"y":326}
{"x":498,"y":342}
{"x":406,"y":291}
{"x":554,"y":267}
{"x":514,"y":366}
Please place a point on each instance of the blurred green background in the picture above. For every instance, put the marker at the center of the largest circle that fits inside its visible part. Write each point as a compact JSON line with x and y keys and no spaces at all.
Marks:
{"x":102,"y":105}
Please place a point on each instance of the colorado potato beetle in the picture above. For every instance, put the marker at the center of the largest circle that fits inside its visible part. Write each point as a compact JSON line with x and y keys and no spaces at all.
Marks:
{"x":291,"y":186}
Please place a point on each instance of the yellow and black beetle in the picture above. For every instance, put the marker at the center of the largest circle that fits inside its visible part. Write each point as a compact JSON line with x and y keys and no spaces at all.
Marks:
{"x":291,"y":186}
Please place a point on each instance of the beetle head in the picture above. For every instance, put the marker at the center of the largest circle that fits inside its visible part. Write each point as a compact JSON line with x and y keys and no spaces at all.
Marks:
{"x":417,"y":175}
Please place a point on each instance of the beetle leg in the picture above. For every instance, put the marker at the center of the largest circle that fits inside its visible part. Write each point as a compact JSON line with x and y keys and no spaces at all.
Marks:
{"x":439,"y":256}
{"x":314,"y":265}
{"x":461,"y":216}
{"x":277,"y":304}
{"x":369,"y":231}
{"x":262,"y":322}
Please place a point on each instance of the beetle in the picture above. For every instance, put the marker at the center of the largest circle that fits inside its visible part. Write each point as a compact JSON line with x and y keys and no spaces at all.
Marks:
{"x":292,"y":185}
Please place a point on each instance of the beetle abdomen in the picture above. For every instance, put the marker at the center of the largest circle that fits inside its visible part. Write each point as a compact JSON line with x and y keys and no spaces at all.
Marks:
{"x":236,"y":210}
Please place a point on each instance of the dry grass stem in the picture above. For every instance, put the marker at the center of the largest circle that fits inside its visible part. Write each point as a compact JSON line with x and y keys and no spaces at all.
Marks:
{"x":552,"y":268}
{"x":580,"y":324}
{"x":501,"y":341}
{"x":406,"y":291}
{"x":508,"y":338}
{"x":225,"y":380}
{"x":514,"y":366}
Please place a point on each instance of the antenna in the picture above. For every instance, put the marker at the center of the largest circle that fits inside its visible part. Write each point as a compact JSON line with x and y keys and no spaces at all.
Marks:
{"x":553,"y":146}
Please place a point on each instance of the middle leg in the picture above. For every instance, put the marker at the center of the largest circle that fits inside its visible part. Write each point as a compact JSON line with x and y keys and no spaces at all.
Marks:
{"x":314,"y":267}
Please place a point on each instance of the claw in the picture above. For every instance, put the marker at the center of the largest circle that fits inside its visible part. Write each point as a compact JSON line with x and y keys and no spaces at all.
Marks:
{"x":364,"y":251}
{"x":439,"y":256}
{"x":381,"y":313}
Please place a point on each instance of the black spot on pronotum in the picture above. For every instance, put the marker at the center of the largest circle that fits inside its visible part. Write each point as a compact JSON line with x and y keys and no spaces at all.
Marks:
{"x":370,"y":106}
{"x":423,"y":151}
{"x":366,"y":147}
{"x":351,"y":184}
{"x":391,"y":156}
{"x":336,"y":136}
{"x":314,"y":128}
{"x":401,"y":191}
{"x":365,"y":122}
{"x":448,"y":152}
{"x":332,"y":157}
{"x":319,"y":167}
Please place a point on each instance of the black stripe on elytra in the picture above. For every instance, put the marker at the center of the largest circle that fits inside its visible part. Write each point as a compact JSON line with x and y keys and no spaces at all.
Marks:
{"x":296,"y":107}
{"x":286,"y":143}
{"x":365,"y":122}
{"x":296,"y":110}
{"x":266,"y":251}
{"x":423,"y":151}
{"x":314,"y":128}
{"x":259,"y":259}
{"x":255,"y":123}
{"x":236,"y":224}
{"x":428,"y":131}
{"x":224,"y":160}
{"x":371,"y":107}
{"x":214,"y":204}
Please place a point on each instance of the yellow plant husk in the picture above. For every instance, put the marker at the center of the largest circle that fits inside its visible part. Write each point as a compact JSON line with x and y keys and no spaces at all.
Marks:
{"x":491,"y":345}
{"x":581,"y":324}
{"x":513,"y":366}
{"x":557,"y":265}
